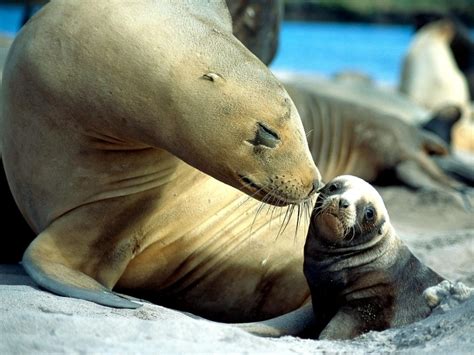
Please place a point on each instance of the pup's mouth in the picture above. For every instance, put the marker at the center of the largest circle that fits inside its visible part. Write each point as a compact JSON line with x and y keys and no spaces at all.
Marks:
{"x":330,"y":220}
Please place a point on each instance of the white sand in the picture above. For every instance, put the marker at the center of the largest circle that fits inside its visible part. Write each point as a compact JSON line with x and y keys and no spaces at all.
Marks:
{"x":435,"y":225}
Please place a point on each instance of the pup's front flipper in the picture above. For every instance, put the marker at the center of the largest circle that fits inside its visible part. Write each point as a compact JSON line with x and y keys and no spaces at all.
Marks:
{"x":346,"y":324}
{"x":50,"y":269}
{"x":297,"y":322}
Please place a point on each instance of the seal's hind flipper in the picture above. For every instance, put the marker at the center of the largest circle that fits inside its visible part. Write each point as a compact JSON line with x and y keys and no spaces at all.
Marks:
{"x":456,"y":168}
{"x":420,"y":171}
{"x":58,"y":278}
{"x":413,"y":175}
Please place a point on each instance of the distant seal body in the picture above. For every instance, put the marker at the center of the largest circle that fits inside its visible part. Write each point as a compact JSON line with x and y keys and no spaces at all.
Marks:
{"x":353,"y":134}
{"x":361,"y":275}
{"x":430,"y":75}
{"x":109,"y":108}
{"x":432,"y":78}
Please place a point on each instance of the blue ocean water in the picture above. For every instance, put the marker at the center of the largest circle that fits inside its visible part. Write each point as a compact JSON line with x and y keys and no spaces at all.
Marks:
{"x":324,"y":48}
{"x":328,"y":48}
{"x":10,"y":18}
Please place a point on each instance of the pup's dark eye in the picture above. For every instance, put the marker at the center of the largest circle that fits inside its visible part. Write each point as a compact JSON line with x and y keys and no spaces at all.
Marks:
{"x":334,"y":187}
{"x":265,"y":137}
{"x":369,"y":213}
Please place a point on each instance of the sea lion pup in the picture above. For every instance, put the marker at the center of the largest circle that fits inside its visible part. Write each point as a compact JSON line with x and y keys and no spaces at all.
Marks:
{"x":362,"y":277}
{"x":110,"y":108}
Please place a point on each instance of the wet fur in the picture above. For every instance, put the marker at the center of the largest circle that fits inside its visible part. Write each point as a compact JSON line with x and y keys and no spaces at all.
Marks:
{"x":368,"y":282}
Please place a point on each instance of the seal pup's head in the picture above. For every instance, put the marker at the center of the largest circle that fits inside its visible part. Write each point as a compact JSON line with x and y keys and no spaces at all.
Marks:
{"x":349,"y":212}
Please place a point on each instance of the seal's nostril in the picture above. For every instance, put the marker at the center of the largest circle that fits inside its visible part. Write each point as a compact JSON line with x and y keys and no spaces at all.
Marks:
{"x":343,"y":203}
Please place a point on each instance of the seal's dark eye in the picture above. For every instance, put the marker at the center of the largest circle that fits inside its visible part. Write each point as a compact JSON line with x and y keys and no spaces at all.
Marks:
{"x":369,"y":213}
{"x":334,"y":187}
{"x":265,"y":137}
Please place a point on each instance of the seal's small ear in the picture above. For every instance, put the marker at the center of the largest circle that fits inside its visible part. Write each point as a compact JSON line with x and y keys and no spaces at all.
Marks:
{"x":212,"y":76}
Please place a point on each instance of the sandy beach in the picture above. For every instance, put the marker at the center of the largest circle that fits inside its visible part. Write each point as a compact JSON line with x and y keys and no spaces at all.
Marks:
{"x":435,"y":225}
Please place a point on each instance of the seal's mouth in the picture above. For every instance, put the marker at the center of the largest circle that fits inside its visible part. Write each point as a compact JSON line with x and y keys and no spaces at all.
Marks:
{"x":265,"y":195}
{"x":331,"y":227}
{"x":335,"y":221}
{"x":249,"y":183}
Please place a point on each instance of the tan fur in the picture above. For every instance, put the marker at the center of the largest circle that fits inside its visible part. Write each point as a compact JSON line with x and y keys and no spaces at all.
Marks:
{"x":106,"y":104}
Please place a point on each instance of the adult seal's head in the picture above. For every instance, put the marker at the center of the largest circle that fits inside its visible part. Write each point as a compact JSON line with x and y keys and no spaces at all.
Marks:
{"x":361,"y":276}
{"x":167,"y":75}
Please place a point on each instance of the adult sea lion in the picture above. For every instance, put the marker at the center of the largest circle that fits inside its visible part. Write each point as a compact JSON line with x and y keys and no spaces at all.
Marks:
{"x":104,"y":103}
{"x":430,"y":75}
{"x":462,"y":44}
{"x":432,"y":78}
{"x":256,"y":23}
{"x":361,"y":275}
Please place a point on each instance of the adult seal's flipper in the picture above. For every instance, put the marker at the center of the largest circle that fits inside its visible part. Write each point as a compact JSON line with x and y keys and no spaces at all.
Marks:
{"x":40,"y":264}
{"x":418,"y":169}
{"x":456,"y":168}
